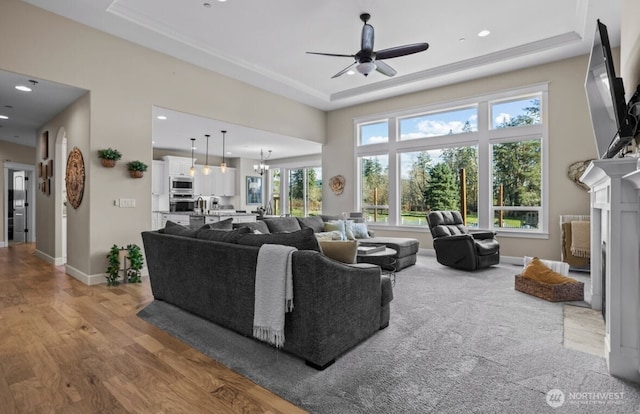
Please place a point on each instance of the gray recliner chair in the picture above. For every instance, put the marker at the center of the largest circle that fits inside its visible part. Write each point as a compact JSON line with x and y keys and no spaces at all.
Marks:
{"x":456,"y":247}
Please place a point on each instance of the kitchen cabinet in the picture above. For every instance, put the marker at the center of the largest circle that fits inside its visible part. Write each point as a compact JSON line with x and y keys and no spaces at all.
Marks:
{"x":182,"y":219}
{"x":158,"y":182}
{"x":236,"y":219}
{"x":224,"y":184}
{"x":216,"y":183}
{"x":177,"y":165}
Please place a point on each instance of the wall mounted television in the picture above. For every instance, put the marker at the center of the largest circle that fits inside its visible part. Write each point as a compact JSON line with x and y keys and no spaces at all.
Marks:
{"x":613,"y":124}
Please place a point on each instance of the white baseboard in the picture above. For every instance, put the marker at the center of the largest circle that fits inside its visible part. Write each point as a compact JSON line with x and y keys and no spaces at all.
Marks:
{"x":56,"y":261}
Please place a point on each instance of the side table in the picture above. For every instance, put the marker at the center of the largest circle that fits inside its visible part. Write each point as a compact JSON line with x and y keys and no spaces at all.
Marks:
{"x":384,"y":259}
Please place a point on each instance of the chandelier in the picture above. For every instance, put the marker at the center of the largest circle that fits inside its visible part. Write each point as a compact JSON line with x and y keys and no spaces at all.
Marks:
{"x":262,"y":167}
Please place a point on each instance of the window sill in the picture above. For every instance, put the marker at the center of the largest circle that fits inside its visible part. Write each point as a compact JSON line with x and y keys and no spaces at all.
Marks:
{"x":499,"y":233}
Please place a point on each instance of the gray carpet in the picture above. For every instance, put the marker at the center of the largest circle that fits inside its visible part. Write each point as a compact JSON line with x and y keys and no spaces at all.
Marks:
{"x":457,"y":342}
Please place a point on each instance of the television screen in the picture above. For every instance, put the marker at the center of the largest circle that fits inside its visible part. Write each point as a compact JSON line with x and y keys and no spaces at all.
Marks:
{"x":612,"y":125}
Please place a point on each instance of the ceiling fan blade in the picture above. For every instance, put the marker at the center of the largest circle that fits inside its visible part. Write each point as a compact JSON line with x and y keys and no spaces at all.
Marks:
{"x":401,"y":50}
{"x":331,"y":54}
{"x":345,"y":70}
{"x":385,"y":69}
{"x":366,"y":44}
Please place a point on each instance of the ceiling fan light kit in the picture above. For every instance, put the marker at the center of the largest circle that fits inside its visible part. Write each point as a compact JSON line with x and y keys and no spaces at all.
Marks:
{"x":367,"y":60}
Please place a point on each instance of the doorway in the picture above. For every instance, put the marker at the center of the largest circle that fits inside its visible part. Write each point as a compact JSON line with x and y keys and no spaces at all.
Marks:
{"x":19,"y":205}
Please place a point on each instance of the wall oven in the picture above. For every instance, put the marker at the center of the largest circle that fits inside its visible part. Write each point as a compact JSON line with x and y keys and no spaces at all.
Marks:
{"x":180,"y":186}
{"x":182,"y":204}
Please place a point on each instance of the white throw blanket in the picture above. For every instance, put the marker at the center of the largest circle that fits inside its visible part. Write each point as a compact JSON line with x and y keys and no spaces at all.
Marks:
{"x":274,"y":292}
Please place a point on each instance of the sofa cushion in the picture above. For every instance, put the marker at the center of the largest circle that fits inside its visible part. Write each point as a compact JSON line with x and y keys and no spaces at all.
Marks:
{"x":360,"y":230}
{"x":303,"y":239}
{"x":259,"y":225}
{"x":344,"y":251}
{"x":226,"y":224}
{"x":312,"y":222}
{"x":336,"y":225}
{"x":403,"y":245}
{"x":282,"y":224}
{"x":227,"y":236}
{"x":329,"y":235}
{"x":329,"y":217}
{"x":176,"y":229}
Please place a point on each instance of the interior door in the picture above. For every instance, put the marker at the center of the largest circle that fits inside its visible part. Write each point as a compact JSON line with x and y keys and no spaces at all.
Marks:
{"x":19,"y":207}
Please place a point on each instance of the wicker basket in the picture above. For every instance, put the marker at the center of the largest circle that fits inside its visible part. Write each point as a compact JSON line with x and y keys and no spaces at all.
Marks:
{"x":553,"y":293}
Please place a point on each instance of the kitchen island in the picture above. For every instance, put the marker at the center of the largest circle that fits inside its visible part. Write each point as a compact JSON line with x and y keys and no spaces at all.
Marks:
{"x":187,"y":218}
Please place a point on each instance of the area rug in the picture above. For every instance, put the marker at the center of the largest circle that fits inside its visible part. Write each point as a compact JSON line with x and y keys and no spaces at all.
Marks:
{"x":458,"y":342}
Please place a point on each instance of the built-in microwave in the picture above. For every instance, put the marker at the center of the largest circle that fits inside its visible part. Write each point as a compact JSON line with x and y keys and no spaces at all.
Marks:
{"x":180,"y":185}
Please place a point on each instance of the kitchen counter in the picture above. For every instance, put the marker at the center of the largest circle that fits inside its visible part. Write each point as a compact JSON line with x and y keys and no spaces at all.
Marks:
{"x":192,"y":218}
{"x":210,"y":213}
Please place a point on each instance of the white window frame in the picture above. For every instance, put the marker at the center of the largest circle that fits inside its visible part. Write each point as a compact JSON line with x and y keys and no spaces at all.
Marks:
{"x":483,"y":138}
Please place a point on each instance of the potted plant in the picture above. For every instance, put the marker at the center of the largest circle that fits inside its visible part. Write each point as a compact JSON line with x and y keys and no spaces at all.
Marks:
{"x":137,"y":168}
{"x":135,"y":264}
{"x":113,"y":270}
{"x":109,"y":156}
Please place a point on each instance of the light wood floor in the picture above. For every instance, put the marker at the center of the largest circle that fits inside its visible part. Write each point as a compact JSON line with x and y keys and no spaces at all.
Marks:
{"x":70,"y":348}
{"x":584,"y":330}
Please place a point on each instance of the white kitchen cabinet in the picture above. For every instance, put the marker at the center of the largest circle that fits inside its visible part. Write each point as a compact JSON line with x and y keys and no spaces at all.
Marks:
{"x":223,"y":184}
{"x":182,"y":219}
{"x":156,"y":221}
{"x":236,"y":219}
{"x":158,"y":183}
{"x":177,"y":165}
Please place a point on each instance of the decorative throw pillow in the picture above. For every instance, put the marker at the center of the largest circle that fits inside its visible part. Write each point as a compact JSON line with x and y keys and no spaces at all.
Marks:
{"x":226,"y":224}
{"x":537,"y":270}
{"x":301,"y":239}
{"x":176,"y":229}
{"x":560,"y":267}
{"x":329,"y":235}
{"x":348,"y":231}
{"x":336,"y":225}
{"x":259,"y":225}
{"x":360,"y":230}
{"x":314,"y":222}
{"x":344,"y":251}
{"x":227,"y":236}
{"x":282,"y":224}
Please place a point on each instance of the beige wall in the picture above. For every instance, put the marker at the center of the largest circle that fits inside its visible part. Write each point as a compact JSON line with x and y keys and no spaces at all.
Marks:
{"x":630,"y":46}
{"x":125,"y":81}
{"x":73,"y":124}
{"x":570,"y":140}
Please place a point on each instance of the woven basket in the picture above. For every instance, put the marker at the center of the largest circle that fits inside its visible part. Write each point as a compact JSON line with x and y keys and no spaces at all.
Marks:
{"x":553,"y":293}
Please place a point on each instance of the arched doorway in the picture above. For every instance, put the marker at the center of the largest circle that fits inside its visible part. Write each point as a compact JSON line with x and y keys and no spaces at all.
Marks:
{"x":61,"y":198}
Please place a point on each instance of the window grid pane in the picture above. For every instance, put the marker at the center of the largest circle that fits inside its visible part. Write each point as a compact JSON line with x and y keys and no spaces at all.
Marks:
{"x":523,"y":111}
{"x":375,"y":187}
{"x":374,"y":133}
{"x":457,"y":121}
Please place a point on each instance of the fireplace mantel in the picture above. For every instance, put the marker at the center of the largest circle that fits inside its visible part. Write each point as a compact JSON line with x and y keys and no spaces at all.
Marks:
{"x":615,"y":257}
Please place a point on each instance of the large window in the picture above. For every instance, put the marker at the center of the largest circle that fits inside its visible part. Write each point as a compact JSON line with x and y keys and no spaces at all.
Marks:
{"x":305,"y":191}
{"x":483,"y":157}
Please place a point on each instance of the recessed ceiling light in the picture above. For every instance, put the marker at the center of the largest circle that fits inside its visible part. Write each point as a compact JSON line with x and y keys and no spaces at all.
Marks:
{"x":161,"y":117}
{"x":4,"y":117}
{"x":351,"y":72}
{"x":484,"y":33}
{"x":23,"y":88}
{"x":207,"y":5}
{"x":462,"y":39}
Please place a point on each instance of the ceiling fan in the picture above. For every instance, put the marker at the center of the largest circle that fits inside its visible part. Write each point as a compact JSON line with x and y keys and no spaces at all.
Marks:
{"x":367,"y":60}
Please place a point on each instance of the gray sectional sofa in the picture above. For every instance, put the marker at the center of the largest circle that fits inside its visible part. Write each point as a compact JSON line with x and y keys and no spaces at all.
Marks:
{"x":212,"y":274}
{"x":406,"y":248}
